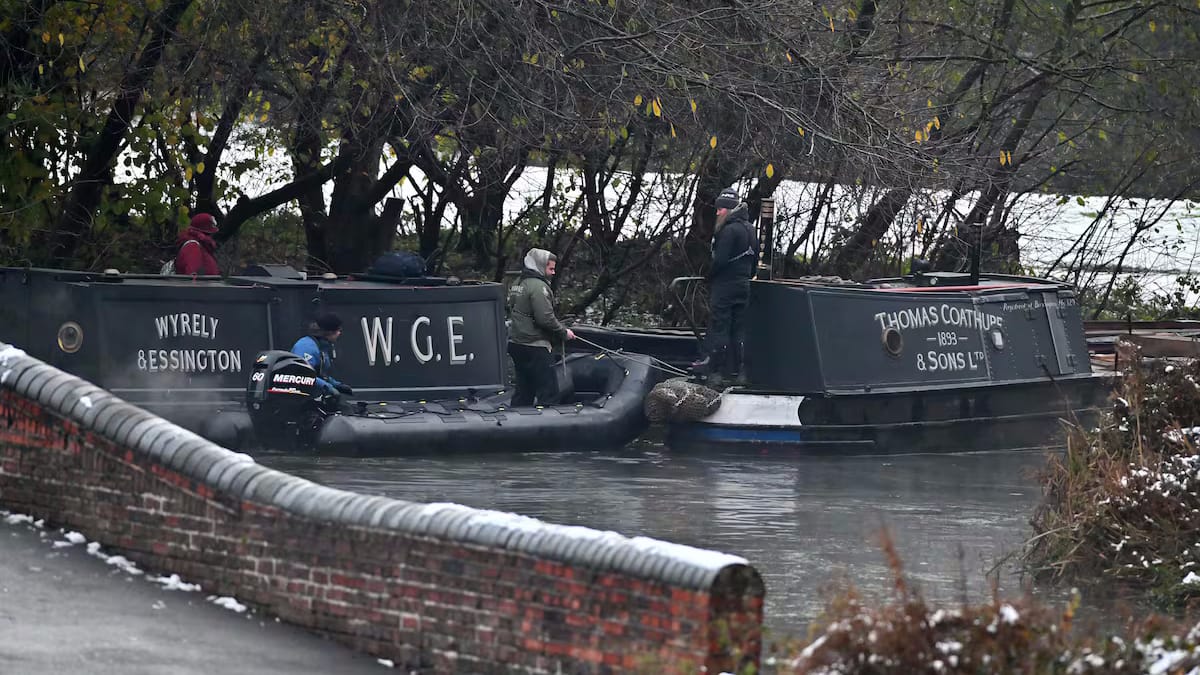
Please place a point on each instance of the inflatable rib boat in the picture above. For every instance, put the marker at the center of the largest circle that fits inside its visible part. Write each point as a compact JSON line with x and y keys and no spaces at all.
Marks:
{"x":285,"y":411}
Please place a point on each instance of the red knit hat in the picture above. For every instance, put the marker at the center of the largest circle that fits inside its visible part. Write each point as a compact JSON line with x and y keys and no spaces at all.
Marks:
{"x":203,"y":222}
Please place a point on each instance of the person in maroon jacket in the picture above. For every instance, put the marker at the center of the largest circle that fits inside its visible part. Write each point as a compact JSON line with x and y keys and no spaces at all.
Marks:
{"x":195,"y":247}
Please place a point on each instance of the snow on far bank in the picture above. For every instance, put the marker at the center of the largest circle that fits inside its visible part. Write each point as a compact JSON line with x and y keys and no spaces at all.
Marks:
{"x":1050,"y":224}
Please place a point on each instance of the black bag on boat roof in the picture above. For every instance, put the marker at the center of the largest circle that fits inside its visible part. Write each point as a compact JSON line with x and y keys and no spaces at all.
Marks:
{"x":404,"y":264}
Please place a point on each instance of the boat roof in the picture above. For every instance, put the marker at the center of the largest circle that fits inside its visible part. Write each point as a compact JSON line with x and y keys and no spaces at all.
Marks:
{"x":934,"y":282}
{"x":281,"y":278}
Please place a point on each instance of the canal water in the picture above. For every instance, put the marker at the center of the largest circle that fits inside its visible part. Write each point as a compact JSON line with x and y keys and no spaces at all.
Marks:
{"x":803,"y":522}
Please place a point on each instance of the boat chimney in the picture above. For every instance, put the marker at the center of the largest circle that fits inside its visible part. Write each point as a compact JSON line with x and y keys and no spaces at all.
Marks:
{"x":766,"y":238}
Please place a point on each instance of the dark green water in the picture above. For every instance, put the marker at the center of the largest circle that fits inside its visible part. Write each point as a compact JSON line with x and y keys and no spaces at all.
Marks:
{"x":803,"y":522}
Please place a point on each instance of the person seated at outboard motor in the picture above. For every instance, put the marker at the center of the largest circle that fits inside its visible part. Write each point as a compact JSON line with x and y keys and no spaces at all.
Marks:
{"x":317,"y":350}
{"x":535,"y":330}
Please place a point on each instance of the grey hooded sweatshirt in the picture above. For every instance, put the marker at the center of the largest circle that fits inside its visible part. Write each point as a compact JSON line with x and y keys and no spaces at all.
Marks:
{"x":531,"y":305}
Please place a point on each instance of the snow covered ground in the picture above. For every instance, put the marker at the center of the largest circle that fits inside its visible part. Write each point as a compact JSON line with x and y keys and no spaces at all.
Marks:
{"x":67,"y":606}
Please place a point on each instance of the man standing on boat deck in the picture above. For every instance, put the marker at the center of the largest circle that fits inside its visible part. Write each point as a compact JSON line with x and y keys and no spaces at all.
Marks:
{"x":535,"y":331}
{"x":734,"y":258}
{"x":317,"y":349}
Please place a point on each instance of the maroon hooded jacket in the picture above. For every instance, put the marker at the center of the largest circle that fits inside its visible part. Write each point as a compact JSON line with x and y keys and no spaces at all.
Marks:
{"x":196,"y":247}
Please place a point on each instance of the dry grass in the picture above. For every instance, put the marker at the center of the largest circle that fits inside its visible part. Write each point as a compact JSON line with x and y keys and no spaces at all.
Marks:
{"x":1123,"y":501}
{"x":1001,"y":636}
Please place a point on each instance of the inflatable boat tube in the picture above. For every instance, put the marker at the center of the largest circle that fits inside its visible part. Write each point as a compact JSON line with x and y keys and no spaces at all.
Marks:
{"x":605,"y":412}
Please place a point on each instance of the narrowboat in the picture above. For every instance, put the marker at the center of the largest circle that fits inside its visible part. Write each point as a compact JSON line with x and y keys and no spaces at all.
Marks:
{"x":186,"y":347}
{"x":928,"y":362}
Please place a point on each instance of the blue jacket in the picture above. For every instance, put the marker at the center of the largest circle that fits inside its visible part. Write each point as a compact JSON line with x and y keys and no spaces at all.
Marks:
{"x":319,"y":354}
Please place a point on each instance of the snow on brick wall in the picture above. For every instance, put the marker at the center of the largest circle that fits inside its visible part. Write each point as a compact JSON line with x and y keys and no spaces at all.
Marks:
{"x":433,"y":587}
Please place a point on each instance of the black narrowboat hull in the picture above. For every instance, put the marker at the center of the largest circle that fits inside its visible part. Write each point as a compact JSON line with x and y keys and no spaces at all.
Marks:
{"x":1009,"y":416}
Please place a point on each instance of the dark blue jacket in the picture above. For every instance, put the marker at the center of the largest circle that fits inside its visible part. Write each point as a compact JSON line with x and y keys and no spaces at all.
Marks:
{"x":735,"y":248}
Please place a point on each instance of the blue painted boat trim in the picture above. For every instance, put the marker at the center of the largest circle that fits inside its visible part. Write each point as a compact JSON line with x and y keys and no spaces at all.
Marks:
{"x":736,"y":434}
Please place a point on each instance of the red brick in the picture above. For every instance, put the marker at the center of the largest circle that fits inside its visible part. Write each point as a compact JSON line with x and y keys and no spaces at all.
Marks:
{"x":374,"y":590}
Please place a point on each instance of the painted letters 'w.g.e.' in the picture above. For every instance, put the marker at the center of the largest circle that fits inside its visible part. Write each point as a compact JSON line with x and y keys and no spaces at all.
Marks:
{"x":378,"y":338}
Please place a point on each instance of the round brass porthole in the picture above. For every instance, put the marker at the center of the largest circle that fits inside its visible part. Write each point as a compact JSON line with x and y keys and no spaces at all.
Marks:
{"x":70,"y":337}
{"x":893,"y":341}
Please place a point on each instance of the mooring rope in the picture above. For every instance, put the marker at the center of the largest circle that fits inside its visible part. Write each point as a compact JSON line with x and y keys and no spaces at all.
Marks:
{"x":655,"y":363}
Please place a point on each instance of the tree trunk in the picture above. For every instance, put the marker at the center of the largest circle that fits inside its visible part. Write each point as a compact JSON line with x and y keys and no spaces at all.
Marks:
{"x":713,"y":176}
{"x":205,"y":184}
{"x":351,"y":233}
{"x":306,"y":154}
{"x":95,"y":175}
{"x":854,"y":254}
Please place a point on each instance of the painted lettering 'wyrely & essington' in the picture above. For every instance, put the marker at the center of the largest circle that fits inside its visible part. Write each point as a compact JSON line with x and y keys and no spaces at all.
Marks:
{"x":377,"y":338}
{"x":188,"y":325}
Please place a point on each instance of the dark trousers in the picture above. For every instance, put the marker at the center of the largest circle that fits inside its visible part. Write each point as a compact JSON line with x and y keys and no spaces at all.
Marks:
{"x":726,"y":335}
{"x":536,"y":381}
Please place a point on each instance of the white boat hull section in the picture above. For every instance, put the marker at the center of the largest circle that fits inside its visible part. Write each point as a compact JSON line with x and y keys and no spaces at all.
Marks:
{"x":756,"y":410}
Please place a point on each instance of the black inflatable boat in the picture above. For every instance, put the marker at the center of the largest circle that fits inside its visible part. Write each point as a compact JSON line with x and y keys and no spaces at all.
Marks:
{"x":285,"y":411}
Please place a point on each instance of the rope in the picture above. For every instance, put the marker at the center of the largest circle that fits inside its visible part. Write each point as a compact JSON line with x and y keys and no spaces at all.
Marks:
{"x":655,"y":363}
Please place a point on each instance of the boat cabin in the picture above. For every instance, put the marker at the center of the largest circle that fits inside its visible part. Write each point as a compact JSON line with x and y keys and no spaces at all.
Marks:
{"x":921,"y":330}
{"x":173,"y":342}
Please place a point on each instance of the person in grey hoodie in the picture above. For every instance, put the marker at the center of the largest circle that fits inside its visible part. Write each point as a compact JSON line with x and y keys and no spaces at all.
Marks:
{"x":534,"y":331}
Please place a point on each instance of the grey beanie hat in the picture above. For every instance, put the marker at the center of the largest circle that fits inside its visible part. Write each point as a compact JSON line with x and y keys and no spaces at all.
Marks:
{"x":728,"y":199}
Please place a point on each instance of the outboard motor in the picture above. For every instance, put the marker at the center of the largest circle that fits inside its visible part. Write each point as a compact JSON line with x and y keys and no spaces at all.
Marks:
{"x":284,"y":400}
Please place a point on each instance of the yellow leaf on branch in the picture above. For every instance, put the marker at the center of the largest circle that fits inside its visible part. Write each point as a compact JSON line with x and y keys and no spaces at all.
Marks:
{"x":770,"y":171}
{"x":712,"y":142}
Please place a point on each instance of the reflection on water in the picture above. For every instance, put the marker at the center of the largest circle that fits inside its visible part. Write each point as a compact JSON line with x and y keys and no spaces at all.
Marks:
{"x":801,"y":521}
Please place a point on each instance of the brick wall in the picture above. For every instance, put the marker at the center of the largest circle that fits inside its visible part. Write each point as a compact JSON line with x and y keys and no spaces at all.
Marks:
{"x":434,"y":587}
